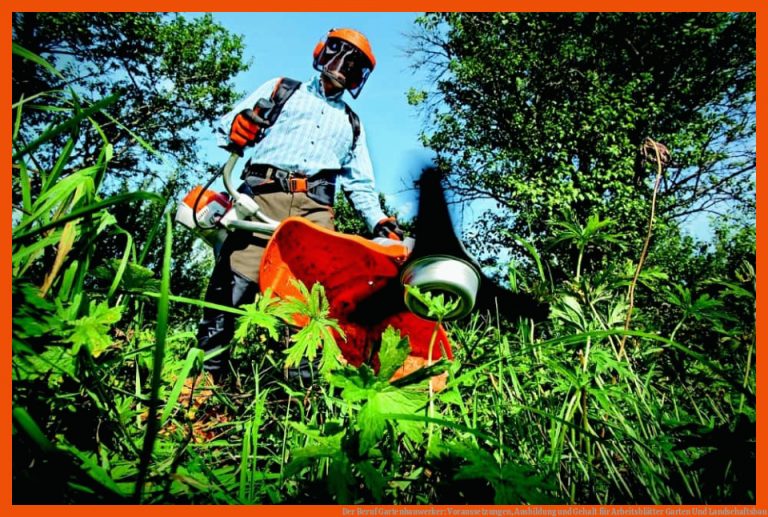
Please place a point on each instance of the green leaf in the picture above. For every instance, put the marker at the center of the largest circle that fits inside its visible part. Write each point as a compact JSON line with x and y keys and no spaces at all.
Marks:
{"x":90,"y":209}
{"x":438,"y":308}
{"x":422,"y":374}
{"x":194,"y":357}
{"x":356,"y":383}
{"x":339,"y":478}
{"x":324,"y":446}
{"x":50,"y":133}
{"x":92,"y":330}
{"x":59,"y":197}
{"x":135,"y":278}
{"x":392,"y":400}
{"x":371,"y":423}
{"x":317,"y":333}
{"x":34,"y":318}
{"x":23,"y":420}
{"x":394,"y":350}
{"x":373,"y":479}
{"x":31,"y":56}
{"x":263,"y":313}
{"x":90,"y":465}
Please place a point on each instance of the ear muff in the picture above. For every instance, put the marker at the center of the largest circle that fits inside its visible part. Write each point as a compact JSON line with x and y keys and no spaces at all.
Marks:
{"x":318,"y":49}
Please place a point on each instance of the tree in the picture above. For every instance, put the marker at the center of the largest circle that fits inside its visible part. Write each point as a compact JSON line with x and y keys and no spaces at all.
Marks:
{"x":546,"y":113}
{"x":172,"y":74}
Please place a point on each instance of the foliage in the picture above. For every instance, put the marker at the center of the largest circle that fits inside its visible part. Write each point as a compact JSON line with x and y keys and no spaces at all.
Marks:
{"x":172,"y":74}
{"x":348,"y":220}
{"x":546,"y":113}
{"x":108,"y":406}
{"x":319,"y":332}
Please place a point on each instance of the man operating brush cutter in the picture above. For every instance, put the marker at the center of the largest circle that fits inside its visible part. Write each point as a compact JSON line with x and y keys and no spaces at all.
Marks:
{"x":304,"y":140}
{"x":368,"y":283}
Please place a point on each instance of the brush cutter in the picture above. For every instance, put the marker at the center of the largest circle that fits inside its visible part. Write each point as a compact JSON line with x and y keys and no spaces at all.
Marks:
{"x":437,"y":263}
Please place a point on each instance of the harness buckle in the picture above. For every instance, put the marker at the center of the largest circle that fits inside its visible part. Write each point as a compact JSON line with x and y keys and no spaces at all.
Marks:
{"x":297,"y":184}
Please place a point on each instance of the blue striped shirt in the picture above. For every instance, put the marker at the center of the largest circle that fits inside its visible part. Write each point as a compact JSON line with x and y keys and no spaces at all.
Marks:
{"x":312,"y":133}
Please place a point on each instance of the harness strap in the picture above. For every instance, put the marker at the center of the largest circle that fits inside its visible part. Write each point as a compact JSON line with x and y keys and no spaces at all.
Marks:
{"x":263,"y":179}
{"x":354,"y":120}
{"x":283,"y":90}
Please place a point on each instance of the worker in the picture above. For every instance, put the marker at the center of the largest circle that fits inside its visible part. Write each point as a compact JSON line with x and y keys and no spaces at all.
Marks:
{"x":303,"y":140}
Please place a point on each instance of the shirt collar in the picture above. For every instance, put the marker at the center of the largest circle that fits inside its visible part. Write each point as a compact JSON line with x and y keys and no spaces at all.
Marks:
{"x":315,"y":86}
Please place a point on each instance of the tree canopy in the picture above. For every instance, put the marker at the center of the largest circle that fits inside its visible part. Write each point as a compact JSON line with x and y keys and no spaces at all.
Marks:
{"x":546,"y":113}
{"x":172,"y":73}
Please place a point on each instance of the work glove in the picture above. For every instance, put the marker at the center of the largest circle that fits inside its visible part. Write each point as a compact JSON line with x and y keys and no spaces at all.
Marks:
{"x":245,"y":129}
{"x":387,"y":228}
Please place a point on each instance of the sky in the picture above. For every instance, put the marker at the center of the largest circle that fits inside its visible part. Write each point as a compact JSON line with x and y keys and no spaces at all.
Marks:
{"x":281,"y":44}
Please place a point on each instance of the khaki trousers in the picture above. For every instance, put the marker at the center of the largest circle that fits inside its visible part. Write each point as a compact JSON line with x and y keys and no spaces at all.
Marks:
{"x":246,"y":250}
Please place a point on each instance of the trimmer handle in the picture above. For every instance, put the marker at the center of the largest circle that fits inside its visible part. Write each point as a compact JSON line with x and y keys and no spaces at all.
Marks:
{"x":245,"y":213}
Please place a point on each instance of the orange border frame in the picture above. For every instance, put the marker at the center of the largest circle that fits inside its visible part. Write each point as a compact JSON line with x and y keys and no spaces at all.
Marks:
{"x":398,"y":5}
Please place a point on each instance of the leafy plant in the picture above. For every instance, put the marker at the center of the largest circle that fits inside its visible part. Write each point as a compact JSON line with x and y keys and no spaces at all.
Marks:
{"x":592,"y":233}
{"x":371,"y":402}
{"x":545,"y":112}
{"x":317,"y":333}
{"x":110,"y":406}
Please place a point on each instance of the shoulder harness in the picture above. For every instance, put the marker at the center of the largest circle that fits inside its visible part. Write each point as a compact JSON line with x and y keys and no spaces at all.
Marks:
{"x":286,"y":87}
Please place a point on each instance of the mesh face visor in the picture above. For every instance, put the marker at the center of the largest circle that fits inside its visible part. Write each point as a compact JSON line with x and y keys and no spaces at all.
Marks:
{"x":345,"y":63}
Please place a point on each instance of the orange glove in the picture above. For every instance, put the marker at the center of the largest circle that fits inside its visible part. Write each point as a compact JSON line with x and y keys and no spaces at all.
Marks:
{"x":388,"y":229}
{"x":245,"y":129}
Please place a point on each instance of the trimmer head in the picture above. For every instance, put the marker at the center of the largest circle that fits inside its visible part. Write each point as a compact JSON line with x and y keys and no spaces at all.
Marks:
{"x":455,"y":279}
{"x":439,"y":264}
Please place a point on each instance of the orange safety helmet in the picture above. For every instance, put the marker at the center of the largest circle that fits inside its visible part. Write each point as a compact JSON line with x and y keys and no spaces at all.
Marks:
{"x":355,"y":66}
